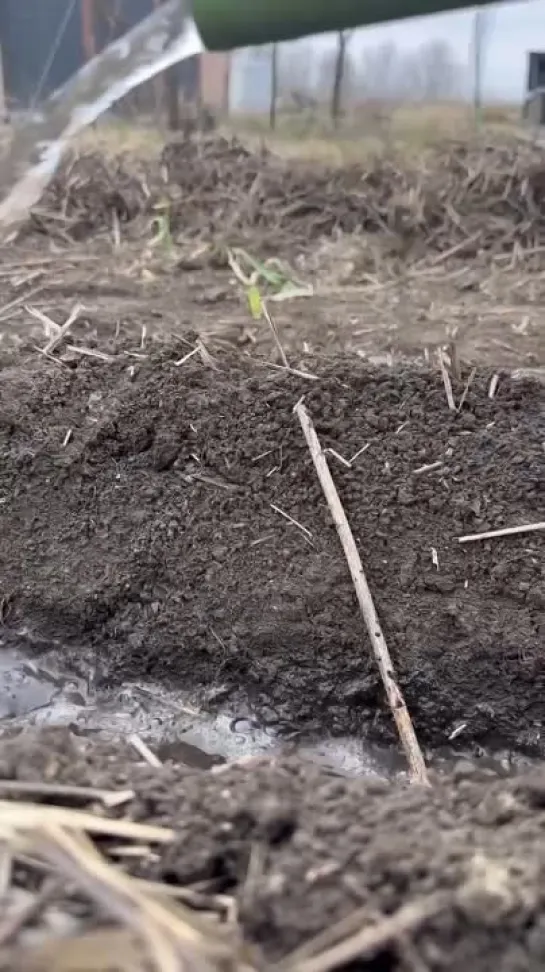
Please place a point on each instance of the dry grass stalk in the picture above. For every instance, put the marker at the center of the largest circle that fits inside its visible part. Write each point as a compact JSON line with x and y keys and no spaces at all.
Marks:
{"x":54,"y":841}
{"x":63,"y":329}
{"x":446,"y":380}
{"x":17,"y":816}
{"x":366,"y":942}
{"x":17,"y":301}
{"x":430,"y":467}
{"x":29,"y":911}
{"x":460,"y":199}
{"x":91,"y":353}
{"x":145,"y":752}
{"x":172,"y":938}
{"x":63,"y":791}
{"x":504,"y":532}
{"x":99,"y":950}
{"x":493,"y":387}
{"x":274,"y":331}
{"x":186,"y":357}
{"x":467,"y":386}
{"x":291,"y":520}
{"x":291,"y":371}
{"x":395,"y":698}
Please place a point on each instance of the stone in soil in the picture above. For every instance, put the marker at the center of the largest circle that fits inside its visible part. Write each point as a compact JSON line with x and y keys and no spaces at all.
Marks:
{"x":146,"y":540}
{"x":470,"y":850}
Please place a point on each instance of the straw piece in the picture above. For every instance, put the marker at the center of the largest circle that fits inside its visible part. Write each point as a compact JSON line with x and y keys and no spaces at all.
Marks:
{"x":395,"y":698}
{"x":505,"y":532}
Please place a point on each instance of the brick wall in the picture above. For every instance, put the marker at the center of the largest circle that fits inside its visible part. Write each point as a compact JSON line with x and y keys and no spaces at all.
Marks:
{"x":214,"y":80}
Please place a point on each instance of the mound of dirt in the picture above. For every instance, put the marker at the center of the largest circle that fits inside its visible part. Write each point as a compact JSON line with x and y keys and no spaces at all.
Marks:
{"x":439,"y":880}
{"x":465,"y":195}
{"x":167,"y":523}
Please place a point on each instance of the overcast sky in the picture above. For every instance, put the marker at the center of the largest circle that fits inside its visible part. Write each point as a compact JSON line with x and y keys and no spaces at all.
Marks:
{"x":513,"y":29}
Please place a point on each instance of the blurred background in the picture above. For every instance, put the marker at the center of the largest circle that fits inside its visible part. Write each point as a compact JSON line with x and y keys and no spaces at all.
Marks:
{"x":417,"y":78}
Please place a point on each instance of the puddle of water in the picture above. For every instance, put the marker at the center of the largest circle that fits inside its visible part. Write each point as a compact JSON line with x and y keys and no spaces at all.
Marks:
{"x":43,"y":694}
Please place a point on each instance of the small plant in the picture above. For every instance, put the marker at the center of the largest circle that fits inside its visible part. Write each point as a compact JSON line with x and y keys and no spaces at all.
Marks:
{"x":263,"y":281}
{"x":160,"y":226}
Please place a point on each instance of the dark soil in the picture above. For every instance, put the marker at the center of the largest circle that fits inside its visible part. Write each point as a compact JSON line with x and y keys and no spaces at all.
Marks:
{"x":148,"y":542}
{"x":468,"y":854}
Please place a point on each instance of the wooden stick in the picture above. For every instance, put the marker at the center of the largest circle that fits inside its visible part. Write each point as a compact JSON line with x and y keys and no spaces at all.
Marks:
{"x":395,"y":698}
{"x":505,"y":532}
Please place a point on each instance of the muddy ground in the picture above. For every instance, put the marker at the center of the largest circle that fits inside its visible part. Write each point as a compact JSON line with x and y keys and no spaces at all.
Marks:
{"x":145,"y":527}
{"x":161,"y":520}
{"x":450,"y":878}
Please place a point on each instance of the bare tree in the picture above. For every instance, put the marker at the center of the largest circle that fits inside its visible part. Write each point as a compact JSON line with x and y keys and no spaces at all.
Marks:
{"x":439,"y":71}
{"x":296,"y":63}
{"x":482,"y":23}
{"x":380,"y":72}
{"x":431,"y":73}
{"x":338,"y":77}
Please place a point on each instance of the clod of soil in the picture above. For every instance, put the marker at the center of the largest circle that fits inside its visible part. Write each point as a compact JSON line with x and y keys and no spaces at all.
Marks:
{"x":144,"y":523}
{"x":455,"y":872}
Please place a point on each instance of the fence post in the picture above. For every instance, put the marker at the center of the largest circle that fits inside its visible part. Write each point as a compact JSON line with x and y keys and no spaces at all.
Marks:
{"x":274,"y":87}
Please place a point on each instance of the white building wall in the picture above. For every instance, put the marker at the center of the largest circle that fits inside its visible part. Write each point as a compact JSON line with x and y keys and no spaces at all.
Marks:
{"x":250,"y":80}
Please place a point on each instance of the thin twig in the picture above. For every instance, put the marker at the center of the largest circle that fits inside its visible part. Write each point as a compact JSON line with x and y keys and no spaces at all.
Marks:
{"x":291,"y":371}
{"x":290,"y":519}
{"x":29,"y":911}
{"x":90,"y":353}
{"x":463,"y":396}
{"x":446,"y":380}
{"x":186,"y":357}
{"x":144,"y":750}
{"x":493,"y":386}
{"x":429,"y":468}
{"x":505,"y":532}
{"x":395,"y":698}
{"x":63,"y":791}
{"x":367,"y":942}
{"x":170,"y":937}
{"x":17,"y":301}
{"x":17,"y":817}
{"x":274,"y":330}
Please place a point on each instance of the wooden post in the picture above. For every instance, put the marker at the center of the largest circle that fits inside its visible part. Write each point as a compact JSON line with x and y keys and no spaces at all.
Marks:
{"x":274,"y":87}
{"x":3,"y":105}
{"x":88,"y":29}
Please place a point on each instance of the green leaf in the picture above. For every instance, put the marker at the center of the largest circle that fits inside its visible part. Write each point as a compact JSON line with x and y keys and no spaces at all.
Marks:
{"x":254,"y":302}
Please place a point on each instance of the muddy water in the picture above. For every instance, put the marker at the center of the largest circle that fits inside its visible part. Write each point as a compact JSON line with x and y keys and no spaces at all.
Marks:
{"x":42,"y":693}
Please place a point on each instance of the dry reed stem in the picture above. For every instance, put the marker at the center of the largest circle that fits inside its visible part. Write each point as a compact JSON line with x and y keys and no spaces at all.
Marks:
{"x":99,"y":950}
{"x":172,"y":939}
{"x":369,"y":941}
{"x":504,"y":532}
{"x":145,"y":752}
{"x":160,"y":918}
{"x":409,"y":741}
{"x":274,"y":331}
{"x":18,"y":817}
{"x":446,"y":380}
{"x":110,"y":798}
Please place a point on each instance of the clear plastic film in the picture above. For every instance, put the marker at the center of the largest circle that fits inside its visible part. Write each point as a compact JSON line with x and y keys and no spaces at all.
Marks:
{"x":165,"y":37}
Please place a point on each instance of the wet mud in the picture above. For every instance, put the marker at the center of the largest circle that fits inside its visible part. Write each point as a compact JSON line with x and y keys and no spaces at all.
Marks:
{"x":162,"y":522}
